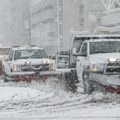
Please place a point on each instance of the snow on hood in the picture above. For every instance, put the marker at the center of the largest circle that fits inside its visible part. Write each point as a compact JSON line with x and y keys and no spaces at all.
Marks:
{"x":103,"y":57}
{"x":33,"y":61}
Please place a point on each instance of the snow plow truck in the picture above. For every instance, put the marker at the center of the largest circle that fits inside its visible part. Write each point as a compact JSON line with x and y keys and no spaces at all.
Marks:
{"x":27,"y":63}
{"x":94,"y":61}
{"x":97,"y":61}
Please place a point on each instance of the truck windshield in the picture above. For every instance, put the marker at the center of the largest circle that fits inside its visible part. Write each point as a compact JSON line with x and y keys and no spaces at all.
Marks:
{"x":104,"y":47}
{"x":30,"y":54}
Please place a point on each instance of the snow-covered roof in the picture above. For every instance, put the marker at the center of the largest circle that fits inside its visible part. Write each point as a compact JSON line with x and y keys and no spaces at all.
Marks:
{"x":98,"y":36}
{"x":78,"y":33}
{"x":101,"y":29}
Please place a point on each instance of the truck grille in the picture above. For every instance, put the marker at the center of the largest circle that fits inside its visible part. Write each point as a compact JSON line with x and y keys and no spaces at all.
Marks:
{"x":26,"y":68}
{"x":40,"y":67}
{"x":113,"y":68}
{"x":43,"y":67}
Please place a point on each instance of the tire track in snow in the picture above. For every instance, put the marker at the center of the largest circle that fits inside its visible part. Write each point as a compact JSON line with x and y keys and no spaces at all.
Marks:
{"x":69,"y":118}
{"x":56,"y":103}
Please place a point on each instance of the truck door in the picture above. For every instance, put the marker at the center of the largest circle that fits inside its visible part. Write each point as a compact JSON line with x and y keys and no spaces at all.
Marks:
{"x":7,"y":63}
{"x":82,"y":60}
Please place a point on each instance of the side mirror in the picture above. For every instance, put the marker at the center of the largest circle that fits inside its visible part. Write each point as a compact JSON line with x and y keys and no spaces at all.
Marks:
{"x":83,"y":55}
{"x":80,"y":54}
{"x":74,"y":51}
{"x":77,"y":54}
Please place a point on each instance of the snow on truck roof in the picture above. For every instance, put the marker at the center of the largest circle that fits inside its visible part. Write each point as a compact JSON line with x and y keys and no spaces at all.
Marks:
{"x":99,"y":40}
{"x":26,"y":47}
{"x":96,"y":36}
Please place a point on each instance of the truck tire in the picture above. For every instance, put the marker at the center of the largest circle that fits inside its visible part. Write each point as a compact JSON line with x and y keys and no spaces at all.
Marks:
{"x":4,"y":78}
{"x":71,"y":80}
{"x":87,"y":84}
{"x":4,"y":75}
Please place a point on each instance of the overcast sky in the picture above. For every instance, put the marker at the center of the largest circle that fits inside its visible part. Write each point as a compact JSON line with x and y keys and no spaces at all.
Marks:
{"x":12,"y":17}
{"x":5,"y":21}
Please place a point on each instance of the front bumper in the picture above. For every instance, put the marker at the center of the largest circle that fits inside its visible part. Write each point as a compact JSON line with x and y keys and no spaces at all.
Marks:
{"x":105,"y":79}
{"x":29,"y":76}
{"x":110,"y":82}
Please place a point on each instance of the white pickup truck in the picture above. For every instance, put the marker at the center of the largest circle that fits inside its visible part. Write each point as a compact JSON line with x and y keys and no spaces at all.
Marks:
{"x":24,"y":62}
{"x":27,"y":63}
{"x":98,"y":62}
{"x":63,"y":59}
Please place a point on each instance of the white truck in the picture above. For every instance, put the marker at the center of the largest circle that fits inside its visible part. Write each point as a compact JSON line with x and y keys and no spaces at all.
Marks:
{"x":97,"y":59}
{"x":27,"y":63}
{"x":24,"y":61}
{"x":4,"y":51}
{"x":62,"y":59}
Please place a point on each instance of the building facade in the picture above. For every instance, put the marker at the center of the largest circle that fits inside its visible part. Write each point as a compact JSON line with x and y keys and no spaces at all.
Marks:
{"x":52,"y":21}
{"x":93,"y":10}
{"x":14,"y":16}
{"x":102,"y":16}
{"x":44,"y":24}
{"x":19,"y":22}
{"x":111,"y":16}
{"x":5,"y":23}
{"x":73,"y":19}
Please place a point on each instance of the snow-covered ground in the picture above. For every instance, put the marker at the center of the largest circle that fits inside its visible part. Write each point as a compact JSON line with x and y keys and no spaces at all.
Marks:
{"x":43,"y":101}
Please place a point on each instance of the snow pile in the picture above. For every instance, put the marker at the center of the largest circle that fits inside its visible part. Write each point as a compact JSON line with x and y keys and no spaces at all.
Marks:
{"x":21,"y":98}
{"x":30,"y":96}
{"x":49,"y":97}
{"x":19,"y":93}
{"x":46,"y":100}
{"x":50,"y":85}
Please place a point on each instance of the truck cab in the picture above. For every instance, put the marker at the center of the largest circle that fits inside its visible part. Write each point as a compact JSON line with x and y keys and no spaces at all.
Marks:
{"x":99,"y":55}
{"x":95,"y":53}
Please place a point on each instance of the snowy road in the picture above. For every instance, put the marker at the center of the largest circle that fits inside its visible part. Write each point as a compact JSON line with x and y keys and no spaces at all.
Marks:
{"x":42,"y":102}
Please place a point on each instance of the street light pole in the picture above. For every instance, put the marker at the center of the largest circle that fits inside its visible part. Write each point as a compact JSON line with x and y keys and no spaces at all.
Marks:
{"x":29,"y":19}
{"x":58,"y":26}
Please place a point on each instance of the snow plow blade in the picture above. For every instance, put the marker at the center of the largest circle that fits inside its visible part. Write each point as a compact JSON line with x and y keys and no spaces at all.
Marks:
{"x":110,"y":83}
{"x":36,"y":75}
{"x":58,"y":71}
{"x":44,"y":75}
{"x":67,"y":78}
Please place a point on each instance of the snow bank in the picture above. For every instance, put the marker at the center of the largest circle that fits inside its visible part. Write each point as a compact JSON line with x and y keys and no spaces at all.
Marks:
{"x":47,"y":101}
{"x":21,"y":93}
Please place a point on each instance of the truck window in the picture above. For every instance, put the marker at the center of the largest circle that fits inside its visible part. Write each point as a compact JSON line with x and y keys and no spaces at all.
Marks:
{"x":30,"y":53}
{"x":111,"y":46}
{"x":84,"y":49}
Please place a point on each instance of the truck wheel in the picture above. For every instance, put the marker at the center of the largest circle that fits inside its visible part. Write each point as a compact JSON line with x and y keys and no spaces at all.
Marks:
{"x":4,"y":78}
{"x":71,"y":81}
{"x":87,"y":84}
{"x":4,"y":75}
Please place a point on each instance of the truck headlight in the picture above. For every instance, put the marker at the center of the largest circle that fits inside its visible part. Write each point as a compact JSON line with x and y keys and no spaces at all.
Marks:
{"x":16,"y":68}
{"x":46,"y":61}
{"x":94,"y":68}
{"x":112,"y":60}
{"x":97,"y":67}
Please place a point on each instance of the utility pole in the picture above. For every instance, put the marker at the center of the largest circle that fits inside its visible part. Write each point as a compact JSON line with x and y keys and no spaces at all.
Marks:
{"x":58,"y":26}
{"x":29,"y":20}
